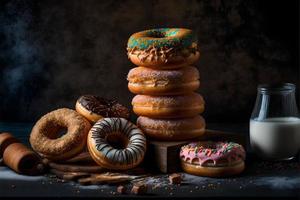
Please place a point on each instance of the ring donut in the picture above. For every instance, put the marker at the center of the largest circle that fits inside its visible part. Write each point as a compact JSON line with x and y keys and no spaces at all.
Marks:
{"x":45,"y":140}
{"x":172,"y":129}
{"x":163,"y":48}
{"x":94,"y":108}
{"x":116,"y":143}
{"x":149,"y":81}
{"x":213,"y":159}
{"x":163,"y":107}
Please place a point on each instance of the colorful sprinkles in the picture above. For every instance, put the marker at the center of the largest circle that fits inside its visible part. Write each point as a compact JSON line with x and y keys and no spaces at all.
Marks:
{"x":215,"y":151}
{"x":162,"y":37}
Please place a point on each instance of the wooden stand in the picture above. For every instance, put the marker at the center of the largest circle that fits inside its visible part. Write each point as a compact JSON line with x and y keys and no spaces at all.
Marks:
{"x":164,"y":156}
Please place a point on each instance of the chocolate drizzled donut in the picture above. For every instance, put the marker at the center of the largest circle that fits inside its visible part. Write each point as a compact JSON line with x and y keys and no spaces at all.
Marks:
{"x":103,"y":107}
{"x":107,"y":155}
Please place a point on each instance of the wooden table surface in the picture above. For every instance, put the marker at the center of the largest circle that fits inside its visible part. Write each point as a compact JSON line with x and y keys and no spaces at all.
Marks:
{"x":260,"y":179}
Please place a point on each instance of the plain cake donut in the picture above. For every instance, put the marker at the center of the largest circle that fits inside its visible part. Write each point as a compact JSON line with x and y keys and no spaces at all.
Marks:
{"x":180,"y":106}
{"x":172,"y":129}
{"x":142,"y":80}
{"x":45,"y":139}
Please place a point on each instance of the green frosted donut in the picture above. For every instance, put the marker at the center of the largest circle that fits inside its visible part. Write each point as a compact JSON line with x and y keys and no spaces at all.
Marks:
{"x":162,"y":37}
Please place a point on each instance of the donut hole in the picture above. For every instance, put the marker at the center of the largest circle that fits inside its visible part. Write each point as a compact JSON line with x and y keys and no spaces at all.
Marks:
{"x":157,"y":34}
{"x":117,"y":140}
{"x":54,"y":131}
{"x":61,"y":132}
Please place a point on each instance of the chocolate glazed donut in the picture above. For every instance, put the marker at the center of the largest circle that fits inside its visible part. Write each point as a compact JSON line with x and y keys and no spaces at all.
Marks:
{"x":94,"y":108}
{"x":116,"y":143}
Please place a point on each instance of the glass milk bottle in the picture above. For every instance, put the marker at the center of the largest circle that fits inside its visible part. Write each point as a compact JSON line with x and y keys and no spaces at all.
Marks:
{"x":275,"y":123}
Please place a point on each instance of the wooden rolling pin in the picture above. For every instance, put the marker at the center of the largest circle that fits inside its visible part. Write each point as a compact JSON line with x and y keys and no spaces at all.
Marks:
{"x":5,"y":140}
{"x":18,"y":157}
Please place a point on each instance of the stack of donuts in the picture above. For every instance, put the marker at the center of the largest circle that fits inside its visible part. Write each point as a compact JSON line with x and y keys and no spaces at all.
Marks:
{"x":168,"y":107}
{"x":165,"y":81}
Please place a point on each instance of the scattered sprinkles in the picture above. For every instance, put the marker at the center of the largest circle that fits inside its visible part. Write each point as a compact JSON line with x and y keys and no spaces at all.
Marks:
{"x":212,"y":151}
{"x":162,"y":37}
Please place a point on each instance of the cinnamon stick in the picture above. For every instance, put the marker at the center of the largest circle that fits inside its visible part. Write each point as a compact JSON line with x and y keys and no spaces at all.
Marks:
{"x":103,"y":179}
{"x":22,"y":160}
{"x":106,"y":178}
{"x":84,"y":157}
{"x":5,"y":140}
{"x":76,"y":168}
{"x":69,"y":176}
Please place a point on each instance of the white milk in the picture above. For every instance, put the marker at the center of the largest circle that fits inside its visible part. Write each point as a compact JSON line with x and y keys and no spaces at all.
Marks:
{"x":275,"y":138}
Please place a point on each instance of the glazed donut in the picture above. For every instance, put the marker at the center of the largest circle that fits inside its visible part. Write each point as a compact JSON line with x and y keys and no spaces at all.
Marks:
{"x":45,"y":135}
{"x":213,"y":159}
{"x":187,"y":105}
{"x":148,"y":81}
{"x":94,"y":108}
{"x":115,"y":143}
{"x":172,"y":129}
{"x":163,"y":48}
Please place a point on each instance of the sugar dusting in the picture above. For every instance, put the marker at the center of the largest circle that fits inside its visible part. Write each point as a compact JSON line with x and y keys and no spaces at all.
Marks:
{"x":195,"y":180}
{"x":280,"y":182}
{"x":156,"y":181}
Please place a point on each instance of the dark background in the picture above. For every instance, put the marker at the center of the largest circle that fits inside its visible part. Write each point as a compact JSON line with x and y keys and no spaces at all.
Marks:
{"x":51,"y":52}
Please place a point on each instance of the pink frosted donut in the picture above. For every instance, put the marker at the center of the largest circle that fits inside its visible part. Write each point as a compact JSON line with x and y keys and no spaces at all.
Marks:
{"x":213,"y":159}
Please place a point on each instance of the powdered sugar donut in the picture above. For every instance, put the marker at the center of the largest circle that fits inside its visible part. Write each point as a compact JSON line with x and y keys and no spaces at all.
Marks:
{"x":143,"y":80}
{"x":167,"y":107}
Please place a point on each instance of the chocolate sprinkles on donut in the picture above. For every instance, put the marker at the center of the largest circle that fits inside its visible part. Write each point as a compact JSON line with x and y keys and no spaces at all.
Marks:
{"x":94,"y":108}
